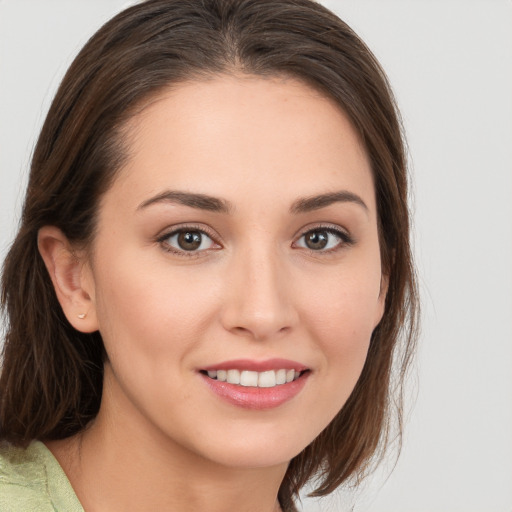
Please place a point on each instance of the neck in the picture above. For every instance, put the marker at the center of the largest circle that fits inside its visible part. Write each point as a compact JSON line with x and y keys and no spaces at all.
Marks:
{"x":118,"y":464}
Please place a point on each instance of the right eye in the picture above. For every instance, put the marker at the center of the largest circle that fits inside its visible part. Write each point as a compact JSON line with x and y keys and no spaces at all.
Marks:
{"x":187,"y":241}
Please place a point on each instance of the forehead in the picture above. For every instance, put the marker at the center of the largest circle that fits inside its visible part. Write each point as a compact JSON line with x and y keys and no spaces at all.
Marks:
{"x":233,"y":136}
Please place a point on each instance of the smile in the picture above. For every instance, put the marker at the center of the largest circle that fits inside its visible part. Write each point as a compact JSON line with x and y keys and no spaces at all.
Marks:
{"x":256,"y":384}
{"x":248,"y":378}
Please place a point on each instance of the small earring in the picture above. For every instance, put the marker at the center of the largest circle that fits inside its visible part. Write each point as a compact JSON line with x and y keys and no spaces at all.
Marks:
{"x":81,"y":316}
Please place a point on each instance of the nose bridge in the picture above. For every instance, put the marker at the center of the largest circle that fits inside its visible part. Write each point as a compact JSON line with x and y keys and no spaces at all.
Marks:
{"x":260,"y":302}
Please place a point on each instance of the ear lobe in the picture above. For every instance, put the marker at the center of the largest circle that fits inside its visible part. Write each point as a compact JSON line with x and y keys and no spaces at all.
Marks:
{"x":67,"y":272}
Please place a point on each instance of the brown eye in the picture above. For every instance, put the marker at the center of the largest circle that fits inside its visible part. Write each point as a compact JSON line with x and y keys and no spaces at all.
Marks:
{"x":323,"y":239}
{"x":188,"y":240}
{"x":316,"y":240}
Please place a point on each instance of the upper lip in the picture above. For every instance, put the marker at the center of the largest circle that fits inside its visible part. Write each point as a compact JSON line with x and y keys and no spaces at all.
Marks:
{"x":257,"y":366}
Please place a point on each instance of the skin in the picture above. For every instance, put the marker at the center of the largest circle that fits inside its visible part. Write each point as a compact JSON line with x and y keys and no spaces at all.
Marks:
{"x":254,"y":290}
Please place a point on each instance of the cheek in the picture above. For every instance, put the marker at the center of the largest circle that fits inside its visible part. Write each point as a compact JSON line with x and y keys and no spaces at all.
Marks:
{"x":151,"y":321}
{"x":344,"y":339}
{"x":342,"y":317}
{"x":348,"y":303}
{"x":144,"y":306}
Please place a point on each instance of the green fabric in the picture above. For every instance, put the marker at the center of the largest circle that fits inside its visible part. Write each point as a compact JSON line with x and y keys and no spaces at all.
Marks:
{"x":32,"y":480}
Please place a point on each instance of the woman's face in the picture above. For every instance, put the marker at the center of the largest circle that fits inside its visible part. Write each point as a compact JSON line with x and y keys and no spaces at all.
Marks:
{"x":240,"y":239}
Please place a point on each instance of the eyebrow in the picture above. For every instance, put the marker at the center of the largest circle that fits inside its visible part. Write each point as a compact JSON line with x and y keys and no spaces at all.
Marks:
{"x":199,"y":201}
{"x":215,"y":204}
{"x":308,"y":204}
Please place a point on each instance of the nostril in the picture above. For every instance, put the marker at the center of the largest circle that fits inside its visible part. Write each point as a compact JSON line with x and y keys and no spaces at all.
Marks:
{"x":260,"y":332}
{"x":241,"y":330}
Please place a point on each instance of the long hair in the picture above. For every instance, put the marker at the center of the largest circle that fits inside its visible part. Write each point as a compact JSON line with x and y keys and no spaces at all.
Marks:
{"x":51,"y":381}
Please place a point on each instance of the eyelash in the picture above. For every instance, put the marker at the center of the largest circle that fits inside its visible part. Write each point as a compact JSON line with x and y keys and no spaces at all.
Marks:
{"x":344,"y":240}
{"x":162,"y":240}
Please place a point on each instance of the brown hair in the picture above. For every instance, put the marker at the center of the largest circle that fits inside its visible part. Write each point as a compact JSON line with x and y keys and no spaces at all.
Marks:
{"x":51,"y":382}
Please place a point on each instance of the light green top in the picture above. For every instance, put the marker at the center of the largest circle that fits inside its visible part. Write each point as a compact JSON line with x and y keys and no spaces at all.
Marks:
{"x":32,"y":480}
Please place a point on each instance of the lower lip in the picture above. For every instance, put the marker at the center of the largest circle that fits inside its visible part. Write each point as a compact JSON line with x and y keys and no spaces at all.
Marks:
{"x":256,"y":398}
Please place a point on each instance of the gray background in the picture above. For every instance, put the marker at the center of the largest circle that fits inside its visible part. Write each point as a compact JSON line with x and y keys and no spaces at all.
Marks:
{"x":450,"y":63}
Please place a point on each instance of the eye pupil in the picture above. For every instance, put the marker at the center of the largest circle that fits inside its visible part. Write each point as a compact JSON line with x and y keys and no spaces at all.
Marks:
{"x":189,"y":240}
{"x":316,"y":239}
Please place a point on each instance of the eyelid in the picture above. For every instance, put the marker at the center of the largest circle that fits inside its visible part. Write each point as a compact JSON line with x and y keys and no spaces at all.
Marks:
{"x":173,"y":230}
{"x":346,"y":239}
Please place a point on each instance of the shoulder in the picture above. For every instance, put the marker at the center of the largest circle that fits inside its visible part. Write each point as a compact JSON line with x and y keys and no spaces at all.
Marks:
{"x":27,"y":478}
{"x":22,"y":480}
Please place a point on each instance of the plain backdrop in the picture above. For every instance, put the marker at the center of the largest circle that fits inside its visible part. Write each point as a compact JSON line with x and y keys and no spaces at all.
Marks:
{"x":450,"y":64}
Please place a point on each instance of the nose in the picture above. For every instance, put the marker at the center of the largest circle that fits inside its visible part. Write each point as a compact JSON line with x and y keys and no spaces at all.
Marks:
{"x":259,"y":299}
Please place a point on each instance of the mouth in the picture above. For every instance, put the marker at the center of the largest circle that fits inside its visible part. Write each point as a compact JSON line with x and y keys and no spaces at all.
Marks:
{"x":256,"y":384}
{"x":255,"y":379}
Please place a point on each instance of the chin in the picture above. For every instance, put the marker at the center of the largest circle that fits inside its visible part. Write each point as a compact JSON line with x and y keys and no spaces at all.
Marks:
{"x":258,"y":448}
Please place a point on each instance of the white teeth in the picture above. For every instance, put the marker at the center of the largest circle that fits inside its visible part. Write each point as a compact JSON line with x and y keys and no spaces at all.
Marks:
{"x":267,"y":379}
{"x":281,"y":377}
{"x":233,"y":377}
{"x":247,"y":378}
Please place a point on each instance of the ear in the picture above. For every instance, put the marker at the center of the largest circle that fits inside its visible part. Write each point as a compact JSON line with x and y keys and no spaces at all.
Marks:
{"x":381,"y":304}
{"x":71,"y":277}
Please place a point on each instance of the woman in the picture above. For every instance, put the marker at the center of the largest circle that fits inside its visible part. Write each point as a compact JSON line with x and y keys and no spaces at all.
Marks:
{"x":213,"y":275}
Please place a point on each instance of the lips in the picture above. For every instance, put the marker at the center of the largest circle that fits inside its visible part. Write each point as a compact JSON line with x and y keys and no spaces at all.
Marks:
{"x":256,"y":384}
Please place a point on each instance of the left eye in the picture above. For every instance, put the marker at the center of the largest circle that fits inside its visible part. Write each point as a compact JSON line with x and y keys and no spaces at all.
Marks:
{"x":320,"y":239}
{"x":189,"y":240}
